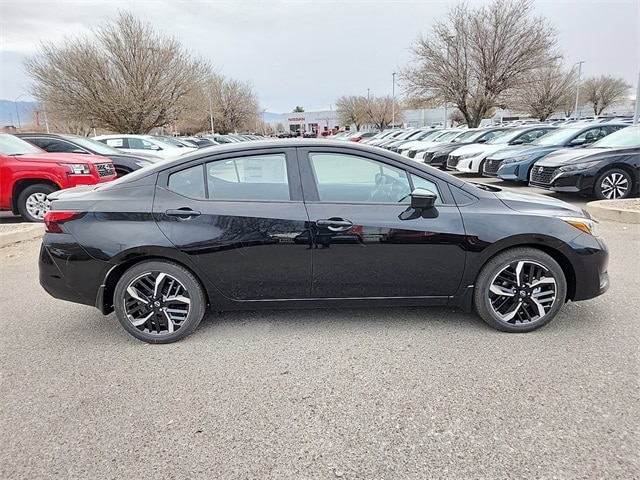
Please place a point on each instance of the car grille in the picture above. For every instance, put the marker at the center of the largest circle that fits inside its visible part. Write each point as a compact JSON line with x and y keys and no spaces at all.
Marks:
{"x":412,"y":154}
{"x":492,"y":165}
{"x":541,"y":176}
{"x":428,"y":156}
{"x":105,"y":169}
{"x":452,"y":161}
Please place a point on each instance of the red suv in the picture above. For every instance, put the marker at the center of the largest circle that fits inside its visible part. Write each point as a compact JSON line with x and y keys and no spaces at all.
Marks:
{"x":28,"y":174}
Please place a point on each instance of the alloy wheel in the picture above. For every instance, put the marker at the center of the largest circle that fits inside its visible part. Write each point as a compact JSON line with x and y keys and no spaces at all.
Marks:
{"x":522,"y":292}
{"x":614,"y":185}
{"x":156,"y":303}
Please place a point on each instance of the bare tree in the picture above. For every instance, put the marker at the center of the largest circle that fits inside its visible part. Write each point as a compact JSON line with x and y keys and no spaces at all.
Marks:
{"x":477,"y":54}
{"x":604,"y":91}
{"x":127,"y":78}
{"x":235,"y":104}
{"x":380,"y":111}
{"x":547,"y":90}
{"x":352,"y":109}
{"x":232,"y":103}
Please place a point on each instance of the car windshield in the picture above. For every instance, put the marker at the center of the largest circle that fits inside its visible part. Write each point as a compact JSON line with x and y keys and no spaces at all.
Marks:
{"x":10,"y":145}
{"x":626,"y":137}
{"x":448,"y":136}
{"x":506,"y":137}
{"x":465,"y":136}
{"x":557,"y":137}
{"x":93,"y":145}
{"x":167,"y":141}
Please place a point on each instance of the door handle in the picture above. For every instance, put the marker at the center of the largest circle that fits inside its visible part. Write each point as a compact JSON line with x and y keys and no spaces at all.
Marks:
{"x":184,"y":212}
{"x":335,"y":224}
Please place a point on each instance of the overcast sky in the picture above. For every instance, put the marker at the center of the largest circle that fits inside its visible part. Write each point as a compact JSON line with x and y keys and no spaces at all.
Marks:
{"x":310,"y":53}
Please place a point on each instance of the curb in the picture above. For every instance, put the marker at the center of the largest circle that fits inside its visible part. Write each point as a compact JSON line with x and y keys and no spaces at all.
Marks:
{"x":28,"y":232}
{"x":614,"y":210}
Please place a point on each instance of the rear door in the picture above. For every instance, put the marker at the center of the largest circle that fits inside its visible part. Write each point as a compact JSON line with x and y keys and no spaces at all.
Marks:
{"x":237,"y":216}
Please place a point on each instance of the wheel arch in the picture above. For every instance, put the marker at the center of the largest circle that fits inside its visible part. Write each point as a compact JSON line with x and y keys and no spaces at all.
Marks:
{"x":104,"y":301}
{"x":20,"y":185}
{"x":466,"y":296}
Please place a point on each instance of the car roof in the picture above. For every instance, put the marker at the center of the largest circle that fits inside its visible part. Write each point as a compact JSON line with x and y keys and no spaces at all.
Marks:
{"x":259,"y":145}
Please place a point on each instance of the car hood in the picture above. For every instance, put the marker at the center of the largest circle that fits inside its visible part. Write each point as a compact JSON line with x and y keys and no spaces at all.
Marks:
{"x":538,"y":204}
{"x":519,"y":150}
{"x":568,"y":155}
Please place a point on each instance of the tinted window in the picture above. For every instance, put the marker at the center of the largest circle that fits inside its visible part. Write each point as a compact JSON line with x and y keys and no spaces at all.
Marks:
{"x":347,"y":178}
{"x":258,"y":177}
{"x":53,"y":145}
{"x":188,"y":182}
{"x":419,"y":182}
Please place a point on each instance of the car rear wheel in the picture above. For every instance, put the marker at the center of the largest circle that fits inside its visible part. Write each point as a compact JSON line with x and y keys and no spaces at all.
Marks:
{"x":33,"y":203}
{"x":613,"y":184}
{"x":520,"y":290}
{"x":159,"y":301}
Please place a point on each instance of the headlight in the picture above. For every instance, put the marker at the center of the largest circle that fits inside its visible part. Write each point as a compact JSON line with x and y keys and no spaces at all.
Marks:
{"x":142,"y":163}
{"x":77,"y":168}
{"x":516,"y":159}
{"x":469,"y":155}
{"x":587,"y":225}
{"x":579,"y":166}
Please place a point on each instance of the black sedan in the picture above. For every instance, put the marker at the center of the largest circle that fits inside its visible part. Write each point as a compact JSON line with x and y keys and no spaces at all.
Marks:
{"x":309,"y":223}
{"x":52,"y":142}
{"x":609,"y":169}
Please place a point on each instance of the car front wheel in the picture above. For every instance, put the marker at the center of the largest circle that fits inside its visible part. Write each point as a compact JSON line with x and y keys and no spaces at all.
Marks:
{"x":33,"y":203}
{"x":159,"y":301}
{"x":613,"y":184}
{"x":520,"y":290}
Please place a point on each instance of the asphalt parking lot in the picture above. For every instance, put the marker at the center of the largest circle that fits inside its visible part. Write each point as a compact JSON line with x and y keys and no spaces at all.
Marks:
{"x":358,"y":393}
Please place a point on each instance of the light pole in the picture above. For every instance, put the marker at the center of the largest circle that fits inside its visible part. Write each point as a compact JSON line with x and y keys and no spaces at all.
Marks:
{"x":393,"y":101}
{"x":575,"y":112}
{"x":211,"y":113}
{"x":637,"y":108}
{"x":18,"y":113}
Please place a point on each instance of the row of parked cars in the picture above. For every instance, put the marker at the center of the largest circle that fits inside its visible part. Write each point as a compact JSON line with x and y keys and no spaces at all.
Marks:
{"x":33,"y":165}
{"x":595,"y":158}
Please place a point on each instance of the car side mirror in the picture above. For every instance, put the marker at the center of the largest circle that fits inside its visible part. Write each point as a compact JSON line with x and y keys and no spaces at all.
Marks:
{"x":421,"y":198}
{"x":77,"y":150}
{"x":517,"y":142}
{"x":155,"y":147}
{"x":577,"y":141}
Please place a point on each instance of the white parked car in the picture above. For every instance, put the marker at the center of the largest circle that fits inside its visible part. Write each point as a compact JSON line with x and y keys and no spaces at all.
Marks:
{"x":410,"y":149}
{"x":138,"y":144}
{"x":470,"y":158}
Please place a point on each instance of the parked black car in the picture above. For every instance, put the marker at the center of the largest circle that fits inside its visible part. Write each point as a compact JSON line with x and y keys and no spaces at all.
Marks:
{"x":302,"y":223}
{"x":609,"y":169}
{"x":52,"y":142}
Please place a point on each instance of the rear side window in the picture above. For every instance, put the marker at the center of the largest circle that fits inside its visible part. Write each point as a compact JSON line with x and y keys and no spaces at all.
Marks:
{"x":255,"y":177}
{"x":188,"y":182}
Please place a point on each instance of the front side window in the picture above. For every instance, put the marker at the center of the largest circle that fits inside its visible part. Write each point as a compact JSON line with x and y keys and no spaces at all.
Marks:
{"x":256,"y":177}
{"x":347,"y":178}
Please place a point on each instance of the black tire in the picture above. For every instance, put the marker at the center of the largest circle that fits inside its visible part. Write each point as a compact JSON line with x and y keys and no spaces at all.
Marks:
{"x":33,"y":203}
{"x":613,"y":184}
{"x":159,"y":301}
{"x":519,"y":290}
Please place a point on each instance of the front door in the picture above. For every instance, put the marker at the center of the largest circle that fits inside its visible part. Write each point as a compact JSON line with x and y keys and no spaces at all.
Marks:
{"x":366,"y":241}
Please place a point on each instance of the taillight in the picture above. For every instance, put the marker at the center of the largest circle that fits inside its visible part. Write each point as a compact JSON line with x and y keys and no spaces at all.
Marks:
{"x":53,"y":220}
